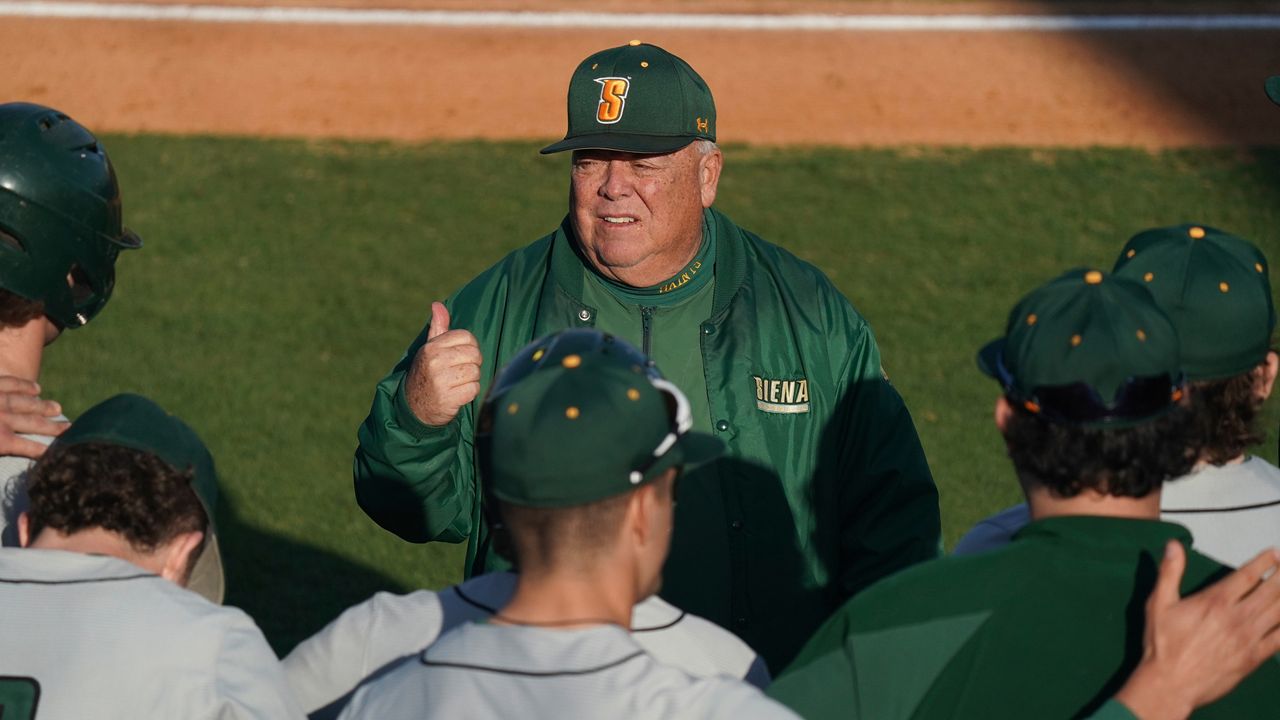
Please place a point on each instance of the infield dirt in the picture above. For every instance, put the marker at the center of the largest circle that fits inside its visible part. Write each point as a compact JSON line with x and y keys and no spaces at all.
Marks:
{"x":1152,"y":89}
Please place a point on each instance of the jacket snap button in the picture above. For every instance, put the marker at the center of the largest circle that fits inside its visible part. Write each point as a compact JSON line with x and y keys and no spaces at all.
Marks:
{"x":584,"y":315}
{"x":722,"y":425}
{"x":736,"y":524}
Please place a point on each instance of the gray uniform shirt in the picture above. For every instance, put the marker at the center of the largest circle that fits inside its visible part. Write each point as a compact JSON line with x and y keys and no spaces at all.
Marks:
{"x":13,"y":488}
{"x":107,"y":640}
{"x":370,"y":639}
{"x":1232,"y":511}
{"x":504,"y":671}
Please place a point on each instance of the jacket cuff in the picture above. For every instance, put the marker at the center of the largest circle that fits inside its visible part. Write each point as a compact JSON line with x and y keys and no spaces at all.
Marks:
{"x":410,"y":422}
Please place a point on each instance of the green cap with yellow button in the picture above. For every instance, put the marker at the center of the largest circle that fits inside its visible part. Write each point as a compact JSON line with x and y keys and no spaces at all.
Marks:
{"x":1215,"y":288}
{"x":1088,"y":349}
{"x":580,"y":416}
{"x":637,"y":98}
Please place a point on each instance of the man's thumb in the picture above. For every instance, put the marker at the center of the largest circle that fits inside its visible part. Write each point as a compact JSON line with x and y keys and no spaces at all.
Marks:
{"x":1174,"y":563}
{"x":439,"y":320}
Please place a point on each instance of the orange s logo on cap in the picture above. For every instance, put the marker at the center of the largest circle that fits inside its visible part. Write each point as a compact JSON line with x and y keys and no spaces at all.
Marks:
{"x":613,"y":97}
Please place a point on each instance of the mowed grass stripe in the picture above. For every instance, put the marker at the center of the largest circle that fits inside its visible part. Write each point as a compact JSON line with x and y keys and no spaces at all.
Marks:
{"x":281,"y":279}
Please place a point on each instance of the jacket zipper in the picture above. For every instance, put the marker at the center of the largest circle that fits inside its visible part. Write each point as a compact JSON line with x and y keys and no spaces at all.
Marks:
{"x":646,"y":325}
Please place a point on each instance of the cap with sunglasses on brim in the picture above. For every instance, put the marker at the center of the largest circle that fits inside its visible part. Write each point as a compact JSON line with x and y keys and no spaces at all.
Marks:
{"x":580,"y":416}
{"x":637,"y":98}
{"x":1215,"y":289}
{"x":135,"y":422}
{"x":1088,"y":349}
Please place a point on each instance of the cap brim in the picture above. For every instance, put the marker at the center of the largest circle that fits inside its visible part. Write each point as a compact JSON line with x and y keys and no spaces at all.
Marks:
{"x":989,"y":357}
{"x":207,"y":578}
{"x":1273,"y":88}
{"x":620,"y":142}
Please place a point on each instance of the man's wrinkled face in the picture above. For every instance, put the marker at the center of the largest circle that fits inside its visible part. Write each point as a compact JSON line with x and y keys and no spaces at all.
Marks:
{"x":640,"y":216}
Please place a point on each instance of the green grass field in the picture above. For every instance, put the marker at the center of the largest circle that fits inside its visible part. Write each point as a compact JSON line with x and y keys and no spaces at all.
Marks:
{"x":280,"y":280}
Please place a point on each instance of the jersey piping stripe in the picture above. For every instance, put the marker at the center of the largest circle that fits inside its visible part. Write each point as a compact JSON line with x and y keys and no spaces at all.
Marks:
{"x":473,"y":602}
{"x":493,"y":611}
{"x":1237,"y":508}
{"x":531,"y":673}
{"x":20,"y":581}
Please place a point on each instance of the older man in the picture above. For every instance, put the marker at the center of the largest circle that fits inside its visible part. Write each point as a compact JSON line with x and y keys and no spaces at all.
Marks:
{"x":824,"y":488}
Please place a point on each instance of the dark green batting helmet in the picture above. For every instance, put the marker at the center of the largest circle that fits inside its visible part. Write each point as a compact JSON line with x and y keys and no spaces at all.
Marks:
{"x":60,"y":218}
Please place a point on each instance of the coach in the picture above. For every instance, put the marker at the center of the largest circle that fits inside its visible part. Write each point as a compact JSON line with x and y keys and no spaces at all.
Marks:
{"x":824,"y":489}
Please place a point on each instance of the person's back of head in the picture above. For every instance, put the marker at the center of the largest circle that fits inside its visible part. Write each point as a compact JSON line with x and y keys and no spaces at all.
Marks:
{"x":579,"y":442}
{"x":130,"y":480}
{"x":61,"y":225}
{"x":1090,"y":369}
{"x":1215,"y":288}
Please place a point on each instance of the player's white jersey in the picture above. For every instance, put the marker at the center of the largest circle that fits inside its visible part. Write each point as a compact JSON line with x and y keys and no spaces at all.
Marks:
{"x":485,"y":671}
{"x":1233,"y":510}
{"x":13,"y":489}
{"x":373,"y":637}
{"x":104,"y":639}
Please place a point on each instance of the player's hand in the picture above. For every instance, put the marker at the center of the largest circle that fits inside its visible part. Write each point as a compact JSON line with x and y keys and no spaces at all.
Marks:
{"x":1196,"y":649}
{"x":22,"y":411}
{"x":445,"y":374}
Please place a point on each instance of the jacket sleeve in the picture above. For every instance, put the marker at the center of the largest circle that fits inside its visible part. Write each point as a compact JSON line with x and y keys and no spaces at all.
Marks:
{"x":413,"y":479}
{"x":889,"y":516}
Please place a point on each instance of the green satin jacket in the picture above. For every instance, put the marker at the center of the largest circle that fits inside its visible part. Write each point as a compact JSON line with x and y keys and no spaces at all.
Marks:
{"x":824,"y":489}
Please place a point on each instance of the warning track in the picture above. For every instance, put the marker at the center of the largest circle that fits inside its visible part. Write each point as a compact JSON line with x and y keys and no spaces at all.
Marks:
{"x":821,"y":75}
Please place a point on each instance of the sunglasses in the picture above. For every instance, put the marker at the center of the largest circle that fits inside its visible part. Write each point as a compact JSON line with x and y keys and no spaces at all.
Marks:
{"x":1138,"y":398}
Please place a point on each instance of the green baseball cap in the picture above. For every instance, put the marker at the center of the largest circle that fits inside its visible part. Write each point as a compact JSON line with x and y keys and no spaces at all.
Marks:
{"x":636,"y":98}
{"x":1088,"y":349}
{"x":580,"y":416}
{"x":1273,"y":88}
{"x":135,"y":422}
{"x":1215,"y":288}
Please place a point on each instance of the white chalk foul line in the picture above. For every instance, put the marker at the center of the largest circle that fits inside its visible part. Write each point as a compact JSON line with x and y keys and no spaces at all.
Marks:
{"x":616,"y":21}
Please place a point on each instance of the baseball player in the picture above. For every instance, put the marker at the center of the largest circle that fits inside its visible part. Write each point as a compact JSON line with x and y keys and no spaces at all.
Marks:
{"x":60,"y":233}
{"x":370,"y":639}
{"x":97,"y":623}
{"x":1090,"y":373}
{"x":823,"y":488}
{"x":589,"y":532}
{"x":1215,"y":288}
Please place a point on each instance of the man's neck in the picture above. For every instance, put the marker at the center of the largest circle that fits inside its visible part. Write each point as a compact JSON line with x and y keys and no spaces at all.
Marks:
{"x":569,"y":599}
{"x":1091,"y":502}
{"x":94,"y":541}
{"x":22,"y":350}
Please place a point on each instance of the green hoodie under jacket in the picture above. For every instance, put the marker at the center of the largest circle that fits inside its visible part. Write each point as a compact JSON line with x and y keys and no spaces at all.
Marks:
{"x":824,"y":488}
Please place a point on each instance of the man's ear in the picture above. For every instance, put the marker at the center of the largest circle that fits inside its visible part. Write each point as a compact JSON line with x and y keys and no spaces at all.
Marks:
{"x":1002,"y":412}
{"x":24,"y":529}
{"x":1264,"y":376}
{"x":709,"y":167}
{"x":178,"y":557}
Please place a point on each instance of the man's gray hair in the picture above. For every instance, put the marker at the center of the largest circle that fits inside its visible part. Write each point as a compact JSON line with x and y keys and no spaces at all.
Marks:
{"x":705,"y":147}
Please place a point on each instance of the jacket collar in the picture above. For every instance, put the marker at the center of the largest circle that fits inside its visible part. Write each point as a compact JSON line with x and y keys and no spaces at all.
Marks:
{"x":568,"y":267}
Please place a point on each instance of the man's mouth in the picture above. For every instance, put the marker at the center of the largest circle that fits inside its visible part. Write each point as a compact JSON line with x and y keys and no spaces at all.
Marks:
{"x":618,"y":219}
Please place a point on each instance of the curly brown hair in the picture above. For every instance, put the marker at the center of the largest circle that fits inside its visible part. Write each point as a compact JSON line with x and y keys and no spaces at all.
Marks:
{"x":125,"y":491}
{"x":16,"y":310}
{"x":1224,"y":414}
{"x":1121,"y":462}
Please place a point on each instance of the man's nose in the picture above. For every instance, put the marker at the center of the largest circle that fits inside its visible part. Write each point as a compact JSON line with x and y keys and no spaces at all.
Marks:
{"x":618,"y":180}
